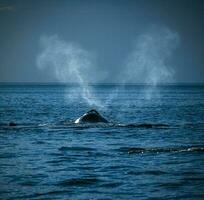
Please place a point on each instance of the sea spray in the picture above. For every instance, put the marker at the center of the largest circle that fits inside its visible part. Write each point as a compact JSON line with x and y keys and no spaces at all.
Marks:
{"x":68,"y":63}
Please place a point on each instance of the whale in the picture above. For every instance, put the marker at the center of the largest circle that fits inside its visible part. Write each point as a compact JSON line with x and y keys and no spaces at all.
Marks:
{"x":91,"y":116}
{"x":12,"y":124}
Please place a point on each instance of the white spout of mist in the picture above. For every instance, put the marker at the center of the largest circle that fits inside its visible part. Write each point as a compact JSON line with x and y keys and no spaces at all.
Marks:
{"x":68,"y":63}
{"x":148,"y":63}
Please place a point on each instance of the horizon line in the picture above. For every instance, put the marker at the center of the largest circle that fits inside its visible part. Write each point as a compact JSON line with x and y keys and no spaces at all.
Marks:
{"x":98,"y":83}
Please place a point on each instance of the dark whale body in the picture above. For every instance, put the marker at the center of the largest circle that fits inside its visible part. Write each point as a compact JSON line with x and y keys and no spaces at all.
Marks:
{"x":91,"y":116}
{"x":12,"y":124}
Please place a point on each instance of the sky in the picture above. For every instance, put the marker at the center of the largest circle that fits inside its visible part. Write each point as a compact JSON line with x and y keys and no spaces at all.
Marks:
{"x":107,"y":41}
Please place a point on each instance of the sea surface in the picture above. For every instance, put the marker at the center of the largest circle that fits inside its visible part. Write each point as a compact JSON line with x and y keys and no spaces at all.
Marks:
{"x":153,"y":147}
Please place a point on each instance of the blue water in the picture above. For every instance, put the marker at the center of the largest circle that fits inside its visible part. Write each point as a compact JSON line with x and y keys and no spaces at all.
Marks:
{"x":153,"y":147}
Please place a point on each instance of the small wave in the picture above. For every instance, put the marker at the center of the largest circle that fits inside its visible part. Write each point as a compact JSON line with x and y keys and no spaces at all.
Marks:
{"x":39,"y":142}
{"x":191,"y":173}
{"x":111,"y":185}
{"x":144,"y":125}
{"x":36,"y":195}
{"x":16,"y":126}
{"x":78,"y":182}
{"x":150,"y":172}
{"x":3,"y":124}
{"x":197,"y":126}
{"x":56,"y":162}
{"x":76,"y":149}
{"x":30,"y":183}
{"x":194,"y":179}
{"x":172,"y":185}
{"x":7,"y":155}
{"x":71,"y":125}
{"x":138,"y":150}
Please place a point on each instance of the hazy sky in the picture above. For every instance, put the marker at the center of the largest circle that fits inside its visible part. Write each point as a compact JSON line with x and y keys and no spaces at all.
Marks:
{"x":109,"y":30}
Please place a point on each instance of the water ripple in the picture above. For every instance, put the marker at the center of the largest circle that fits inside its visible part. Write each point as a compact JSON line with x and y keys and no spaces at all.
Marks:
{"x":76,"y":148}
{"x":79,"y":182}
{"x":138,"y":150}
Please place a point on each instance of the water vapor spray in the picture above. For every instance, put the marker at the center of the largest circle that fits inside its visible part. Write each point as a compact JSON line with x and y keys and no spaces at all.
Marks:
{"x":148,"y":62}
{"x":68,"y":63}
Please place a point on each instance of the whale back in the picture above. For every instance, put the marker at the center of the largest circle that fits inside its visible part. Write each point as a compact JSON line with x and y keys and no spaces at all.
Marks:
{"x":91,"y":116}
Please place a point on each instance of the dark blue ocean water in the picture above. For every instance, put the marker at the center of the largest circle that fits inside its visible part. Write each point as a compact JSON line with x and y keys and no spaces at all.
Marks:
{"x":153,"y":147}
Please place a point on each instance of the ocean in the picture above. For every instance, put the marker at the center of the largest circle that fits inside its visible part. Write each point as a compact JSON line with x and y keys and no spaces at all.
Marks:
{"x":153,"y":147}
